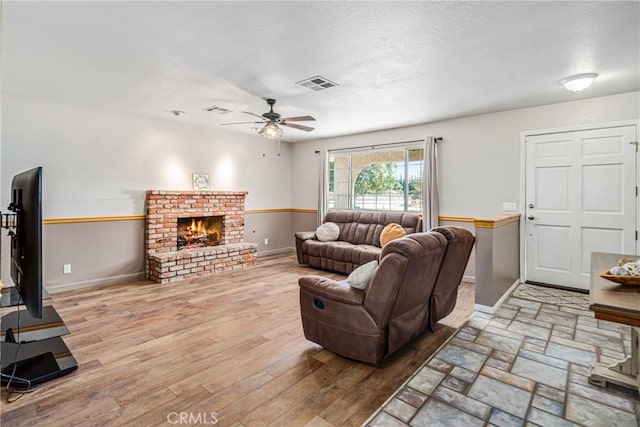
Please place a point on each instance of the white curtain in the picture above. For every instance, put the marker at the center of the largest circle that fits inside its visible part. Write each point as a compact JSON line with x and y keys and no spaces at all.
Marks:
{"x":430,"y":203}
{"x":324,"y":185}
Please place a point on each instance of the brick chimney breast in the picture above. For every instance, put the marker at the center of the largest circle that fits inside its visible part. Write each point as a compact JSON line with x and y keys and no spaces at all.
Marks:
{"x":164,"y":263}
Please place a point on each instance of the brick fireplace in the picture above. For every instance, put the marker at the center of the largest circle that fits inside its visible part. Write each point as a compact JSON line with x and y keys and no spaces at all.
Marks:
{"x":165,"y":262}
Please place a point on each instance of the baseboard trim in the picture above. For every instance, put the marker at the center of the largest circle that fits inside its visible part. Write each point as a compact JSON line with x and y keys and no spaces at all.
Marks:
{"x":469,"y":279}
{"x":105,"y":281}
{"x":131,"y":277}
{"x":492,"y":309}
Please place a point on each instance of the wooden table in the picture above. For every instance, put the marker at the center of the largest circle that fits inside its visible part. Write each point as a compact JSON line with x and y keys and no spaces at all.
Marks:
{"x":616,"y":303}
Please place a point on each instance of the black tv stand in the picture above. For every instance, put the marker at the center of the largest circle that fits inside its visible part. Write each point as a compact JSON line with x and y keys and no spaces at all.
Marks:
{"x":9,"y":337}
{"x":33,"y":371}
{"x":10,"y":297}
{"x":42,"y":354}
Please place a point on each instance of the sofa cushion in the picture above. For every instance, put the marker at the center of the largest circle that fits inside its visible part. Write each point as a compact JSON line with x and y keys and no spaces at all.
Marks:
{"x":391,"y":232}
{"x":365,"y":227}
{"x":360,"y":277}
{"x":362,"y":254}
{"x":328,"y":232}
{"x":338,"y":250}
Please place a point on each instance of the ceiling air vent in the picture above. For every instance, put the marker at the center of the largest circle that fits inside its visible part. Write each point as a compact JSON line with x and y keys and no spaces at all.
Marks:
{"x":317,"y":83}
{"x":218,"y":110}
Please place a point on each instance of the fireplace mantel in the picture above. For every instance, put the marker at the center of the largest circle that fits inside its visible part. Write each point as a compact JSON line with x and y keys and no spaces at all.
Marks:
{"x":163,"y":209}
{"x":178,"y":193}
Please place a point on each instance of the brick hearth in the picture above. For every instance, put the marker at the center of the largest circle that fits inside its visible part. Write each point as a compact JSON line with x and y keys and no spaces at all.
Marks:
{"x":164,"y":263}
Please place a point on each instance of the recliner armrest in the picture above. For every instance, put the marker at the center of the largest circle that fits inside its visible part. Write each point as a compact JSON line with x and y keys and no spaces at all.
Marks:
{"x":334,"y":290}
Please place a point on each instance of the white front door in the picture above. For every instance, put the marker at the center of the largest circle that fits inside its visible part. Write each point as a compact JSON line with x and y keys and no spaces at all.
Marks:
{"x":580,"y":194}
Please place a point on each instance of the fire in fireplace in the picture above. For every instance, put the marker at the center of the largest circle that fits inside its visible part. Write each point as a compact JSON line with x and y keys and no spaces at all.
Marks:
{"x":195,"y":232}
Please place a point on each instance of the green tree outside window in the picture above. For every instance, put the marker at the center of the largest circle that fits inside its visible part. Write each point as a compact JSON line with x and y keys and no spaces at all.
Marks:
{"x":377,"y":178}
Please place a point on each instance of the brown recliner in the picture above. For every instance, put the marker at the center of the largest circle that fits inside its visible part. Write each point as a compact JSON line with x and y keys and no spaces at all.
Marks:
{"x":445,"y":293}
{"x":368,"y":325}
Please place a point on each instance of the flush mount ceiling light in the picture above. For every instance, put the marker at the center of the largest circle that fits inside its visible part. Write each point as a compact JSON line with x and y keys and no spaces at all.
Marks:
{"x":579,"y":82}
{"x":271,"y":131}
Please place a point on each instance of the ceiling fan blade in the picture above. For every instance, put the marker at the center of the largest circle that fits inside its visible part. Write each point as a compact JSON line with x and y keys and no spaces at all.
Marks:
{"x":298,"y":119}
{"x":254,"y":115}
{"x":296,"y":126}
{"x":237,"y":123}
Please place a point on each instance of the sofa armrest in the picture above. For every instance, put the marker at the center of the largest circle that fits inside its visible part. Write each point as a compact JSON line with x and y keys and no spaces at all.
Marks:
{"x":305,"y":235}
{"x":339,"y":291}
{"x":301,"y":237}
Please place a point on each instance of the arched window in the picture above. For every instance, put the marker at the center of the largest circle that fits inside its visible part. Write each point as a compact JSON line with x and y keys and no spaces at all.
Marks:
{"x":376,"y":179}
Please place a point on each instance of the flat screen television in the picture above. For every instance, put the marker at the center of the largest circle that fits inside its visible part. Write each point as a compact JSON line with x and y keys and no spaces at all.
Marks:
{"x":26,"y":240}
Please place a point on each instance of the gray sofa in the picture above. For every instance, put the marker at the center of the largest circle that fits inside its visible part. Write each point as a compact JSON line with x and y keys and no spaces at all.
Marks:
{"x":358,"y":241}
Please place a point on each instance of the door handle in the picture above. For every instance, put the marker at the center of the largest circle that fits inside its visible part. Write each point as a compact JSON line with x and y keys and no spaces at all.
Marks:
{"x":531,"y":217}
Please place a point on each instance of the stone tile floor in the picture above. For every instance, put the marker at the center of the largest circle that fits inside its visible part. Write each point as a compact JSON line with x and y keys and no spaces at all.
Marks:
{"x":527,"y":365}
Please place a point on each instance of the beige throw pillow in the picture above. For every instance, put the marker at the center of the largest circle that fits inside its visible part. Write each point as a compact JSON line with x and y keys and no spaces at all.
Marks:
{"x":391,"y":232}
{"x":360,"y":277}
{"x":328,"y":232}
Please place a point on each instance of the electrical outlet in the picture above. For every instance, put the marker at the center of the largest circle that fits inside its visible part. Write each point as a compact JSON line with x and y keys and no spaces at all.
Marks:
{"x":266,"y":241}
{"x":66,"y":269}
{"x":509,"y":206}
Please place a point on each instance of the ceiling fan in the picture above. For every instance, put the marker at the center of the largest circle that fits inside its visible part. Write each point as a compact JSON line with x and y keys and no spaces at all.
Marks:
{"x":271,"y":120}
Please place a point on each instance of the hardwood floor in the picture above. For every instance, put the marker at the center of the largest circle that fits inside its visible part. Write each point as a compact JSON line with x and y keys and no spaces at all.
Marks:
{"x":231,"y":344}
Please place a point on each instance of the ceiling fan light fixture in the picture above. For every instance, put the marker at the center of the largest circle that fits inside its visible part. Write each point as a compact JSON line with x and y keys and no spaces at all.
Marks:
{"x":579,"y":82}
{"x":271,"y":131}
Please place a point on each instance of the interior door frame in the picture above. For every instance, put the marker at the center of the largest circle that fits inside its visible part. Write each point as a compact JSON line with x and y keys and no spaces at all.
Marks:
{"x":523,"y":175}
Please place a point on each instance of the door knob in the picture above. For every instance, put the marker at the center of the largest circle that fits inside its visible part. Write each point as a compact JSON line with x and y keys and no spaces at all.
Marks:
{"x":531,"y":217}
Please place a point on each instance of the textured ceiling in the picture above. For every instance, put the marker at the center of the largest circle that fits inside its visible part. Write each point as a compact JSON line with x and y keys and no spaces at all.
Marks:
{"x":396,"y":63}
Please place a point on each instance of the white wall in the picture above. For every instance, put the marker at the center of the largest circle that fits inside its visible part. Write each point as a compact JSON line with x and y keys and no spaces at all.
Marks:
{"x":100,"y":163}
{"x":479,"y":158}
